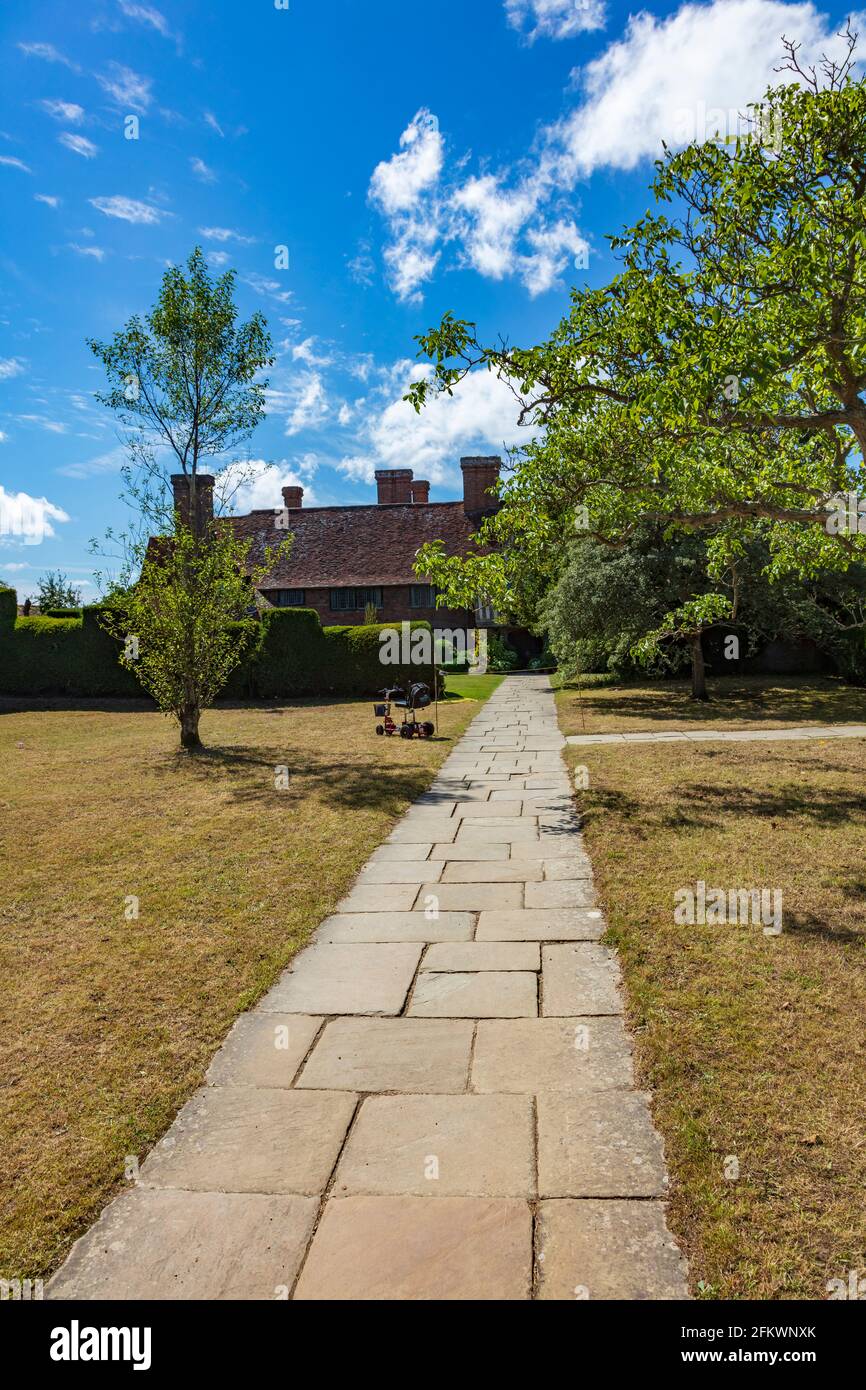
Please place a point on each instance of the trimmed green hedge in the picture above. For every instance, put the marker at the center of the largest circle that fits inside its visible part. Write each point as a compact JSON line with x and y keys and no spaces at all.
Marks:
{"x":286,"y":653}
{"x":61,"y":656}
{"x":8,"y":607}
{"x":292,"y":654}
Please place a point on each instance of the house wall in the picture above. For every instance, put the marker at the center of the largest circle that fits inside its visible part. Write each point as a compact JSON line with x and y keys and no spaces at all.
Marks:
{"x":395,"y":609}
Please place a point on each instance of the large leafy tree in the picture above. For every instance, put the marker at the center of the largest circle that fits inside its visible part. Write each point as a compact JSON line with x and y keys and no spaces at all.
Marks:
{"x":720,"y":378}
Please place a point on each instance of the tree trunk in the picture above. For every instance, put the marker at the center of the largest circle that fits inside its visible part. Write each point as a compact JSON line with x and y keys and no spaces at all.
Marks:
{"x":699,"y":673}
{"x":189,"y":717}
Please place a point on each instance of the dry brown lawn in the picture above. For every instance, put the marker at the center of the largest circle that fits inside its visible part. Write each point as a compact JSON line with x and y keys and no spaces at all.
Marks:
{"x":107,"y":1023}
{"x":754,"y":1047}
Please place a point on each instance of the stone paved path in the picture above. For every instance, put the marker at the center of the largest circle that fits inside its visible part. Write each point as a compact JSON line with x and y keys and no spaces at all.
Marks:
{"x":436,"y":1101}
{"x":726,"y":735}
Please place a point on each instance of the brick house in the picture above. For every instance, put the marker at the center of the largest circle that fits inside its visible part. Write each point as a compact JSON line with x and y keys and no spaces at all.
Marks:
{"x":345,"y":558}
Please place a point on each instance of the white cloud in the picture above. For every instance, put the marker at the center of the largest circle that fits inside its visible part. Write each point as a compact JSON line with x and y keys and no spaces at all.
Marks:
{"x":96,"y":252}
{"x":268,"y":288}
{"x":256,"y":484}
{"x":4,"y":438}
{"x":211,"y":120}
{"x":480,"y":417}
{"x":345,"y":414}
{"x":28,"y":519}
{"x":201,"y":170}
{"x":666,"y":79}
{"x":15,"y":569}
{"x":110,"y":462}
{"x":303,"y":352}
{"x":9,"y":367}
{"x":128,"y":210}
{"x":405,"y":189}
{"x":225,"y":234}
{"x":128,"y":89}
{"x":49,"y":198}
{"x":48,"y":53}
{"x":79,"y":144}
{"x":644,"y":88}
{"x":13,"y":163}
{"x":53,"y":426}
{"x":218,"y":258}
{"x":145,"y":14}
{"x":311,"y":407}
{"x":68,"y":111}
{"x":398,"y":183}
{"x":555,"y":19}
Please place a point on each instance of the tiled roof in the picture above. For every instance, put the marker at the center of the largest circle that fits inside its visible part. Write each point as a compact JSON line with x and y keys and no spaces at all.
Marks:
{"x":364,"y":545}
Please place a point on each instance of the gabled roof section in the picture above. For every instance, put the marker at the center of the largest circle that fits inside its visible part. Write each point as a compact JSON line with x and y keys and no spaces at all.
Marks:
{"x":366,"y":545}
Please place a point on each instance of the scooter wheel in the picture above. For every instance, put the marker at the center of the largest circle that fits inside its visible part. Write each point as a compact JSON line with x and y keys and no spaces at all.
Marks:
{"x":429,"y":729}
{"x":379,"y":729}
{"x":406,"y":731}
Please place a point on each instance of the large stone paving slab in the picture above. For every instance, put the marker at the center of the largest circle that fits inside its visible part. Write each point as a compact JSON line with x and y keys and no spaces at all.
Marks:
{"x":580,"y":978}
{"x":599,"y":1144}
{"x":503,"y":871}
{"x":263,"y":1049}
{"x":607,"y":1250}
{"x":396,"y":926}
{"x":537,"y":1055}
{"x":380,"y":897}
{"x":561,"y":893}
{"x":440,"y":1146}
{"x":411,"y":1248}
{"x":407,"y":871}
{"x":347,"y":978}
{"x":152,"y":1244}
{"x":483,"y":955}
{"x":486,"y":994}
{"x":472,"y":897}
{"x":540,"y":924}
{"x":490,"y":853}
{"x":248,"y":1139}
{"x":399,"y":1054}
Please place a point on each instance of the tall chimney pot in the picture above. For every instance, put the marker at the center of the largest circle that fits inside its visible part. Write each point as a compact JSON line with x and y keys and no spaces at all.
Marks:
{"x":182,"y":486}
{"x":480,"y":475}
{"x":420,"y":491}
{"x":394,"y":485}
{"x":293,"y":497}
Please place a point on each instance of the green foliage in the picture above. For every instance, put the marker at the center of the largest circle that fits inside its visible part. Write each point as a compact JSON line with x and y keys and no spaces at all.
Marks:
{"x":188,"y":374}
{"x":60,"y":612}
{"x":718,"y":380}
{"x":8,"y":607}
{"x":55,"y":592}
{"x":61,"y":656}
{"x":501,"y":656}
{"x":178,"y":623}
{"x":297,"y":656}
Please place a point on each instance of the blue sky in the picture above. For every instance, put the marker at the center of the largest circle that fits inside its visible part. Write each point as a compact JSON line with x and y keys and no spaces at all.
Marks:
{"x":467,"y":156}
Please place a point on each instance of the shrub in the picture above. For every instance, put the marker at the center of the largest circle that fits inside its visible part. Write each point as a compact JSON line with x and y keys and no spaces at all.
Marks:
{"x":60,"y":613}
{"x":8,"y":607}
{"x":501,"y":656}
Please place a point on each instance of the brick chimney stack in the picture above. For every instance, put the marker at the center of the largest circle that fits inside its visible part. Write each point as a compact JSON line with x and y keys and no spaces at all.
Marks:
{"x":293,"y":498}
{"x":420,"y":491}
{"x":394,"y":485}
{"x":181,"y":486}
{"x":480,"y":474}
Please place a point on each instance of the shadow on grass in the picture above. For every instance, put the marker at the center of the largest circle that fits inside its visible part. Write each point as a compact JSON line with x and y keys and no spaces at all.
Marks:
{"x":825,"y":700}
{"x":345,"y":784}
